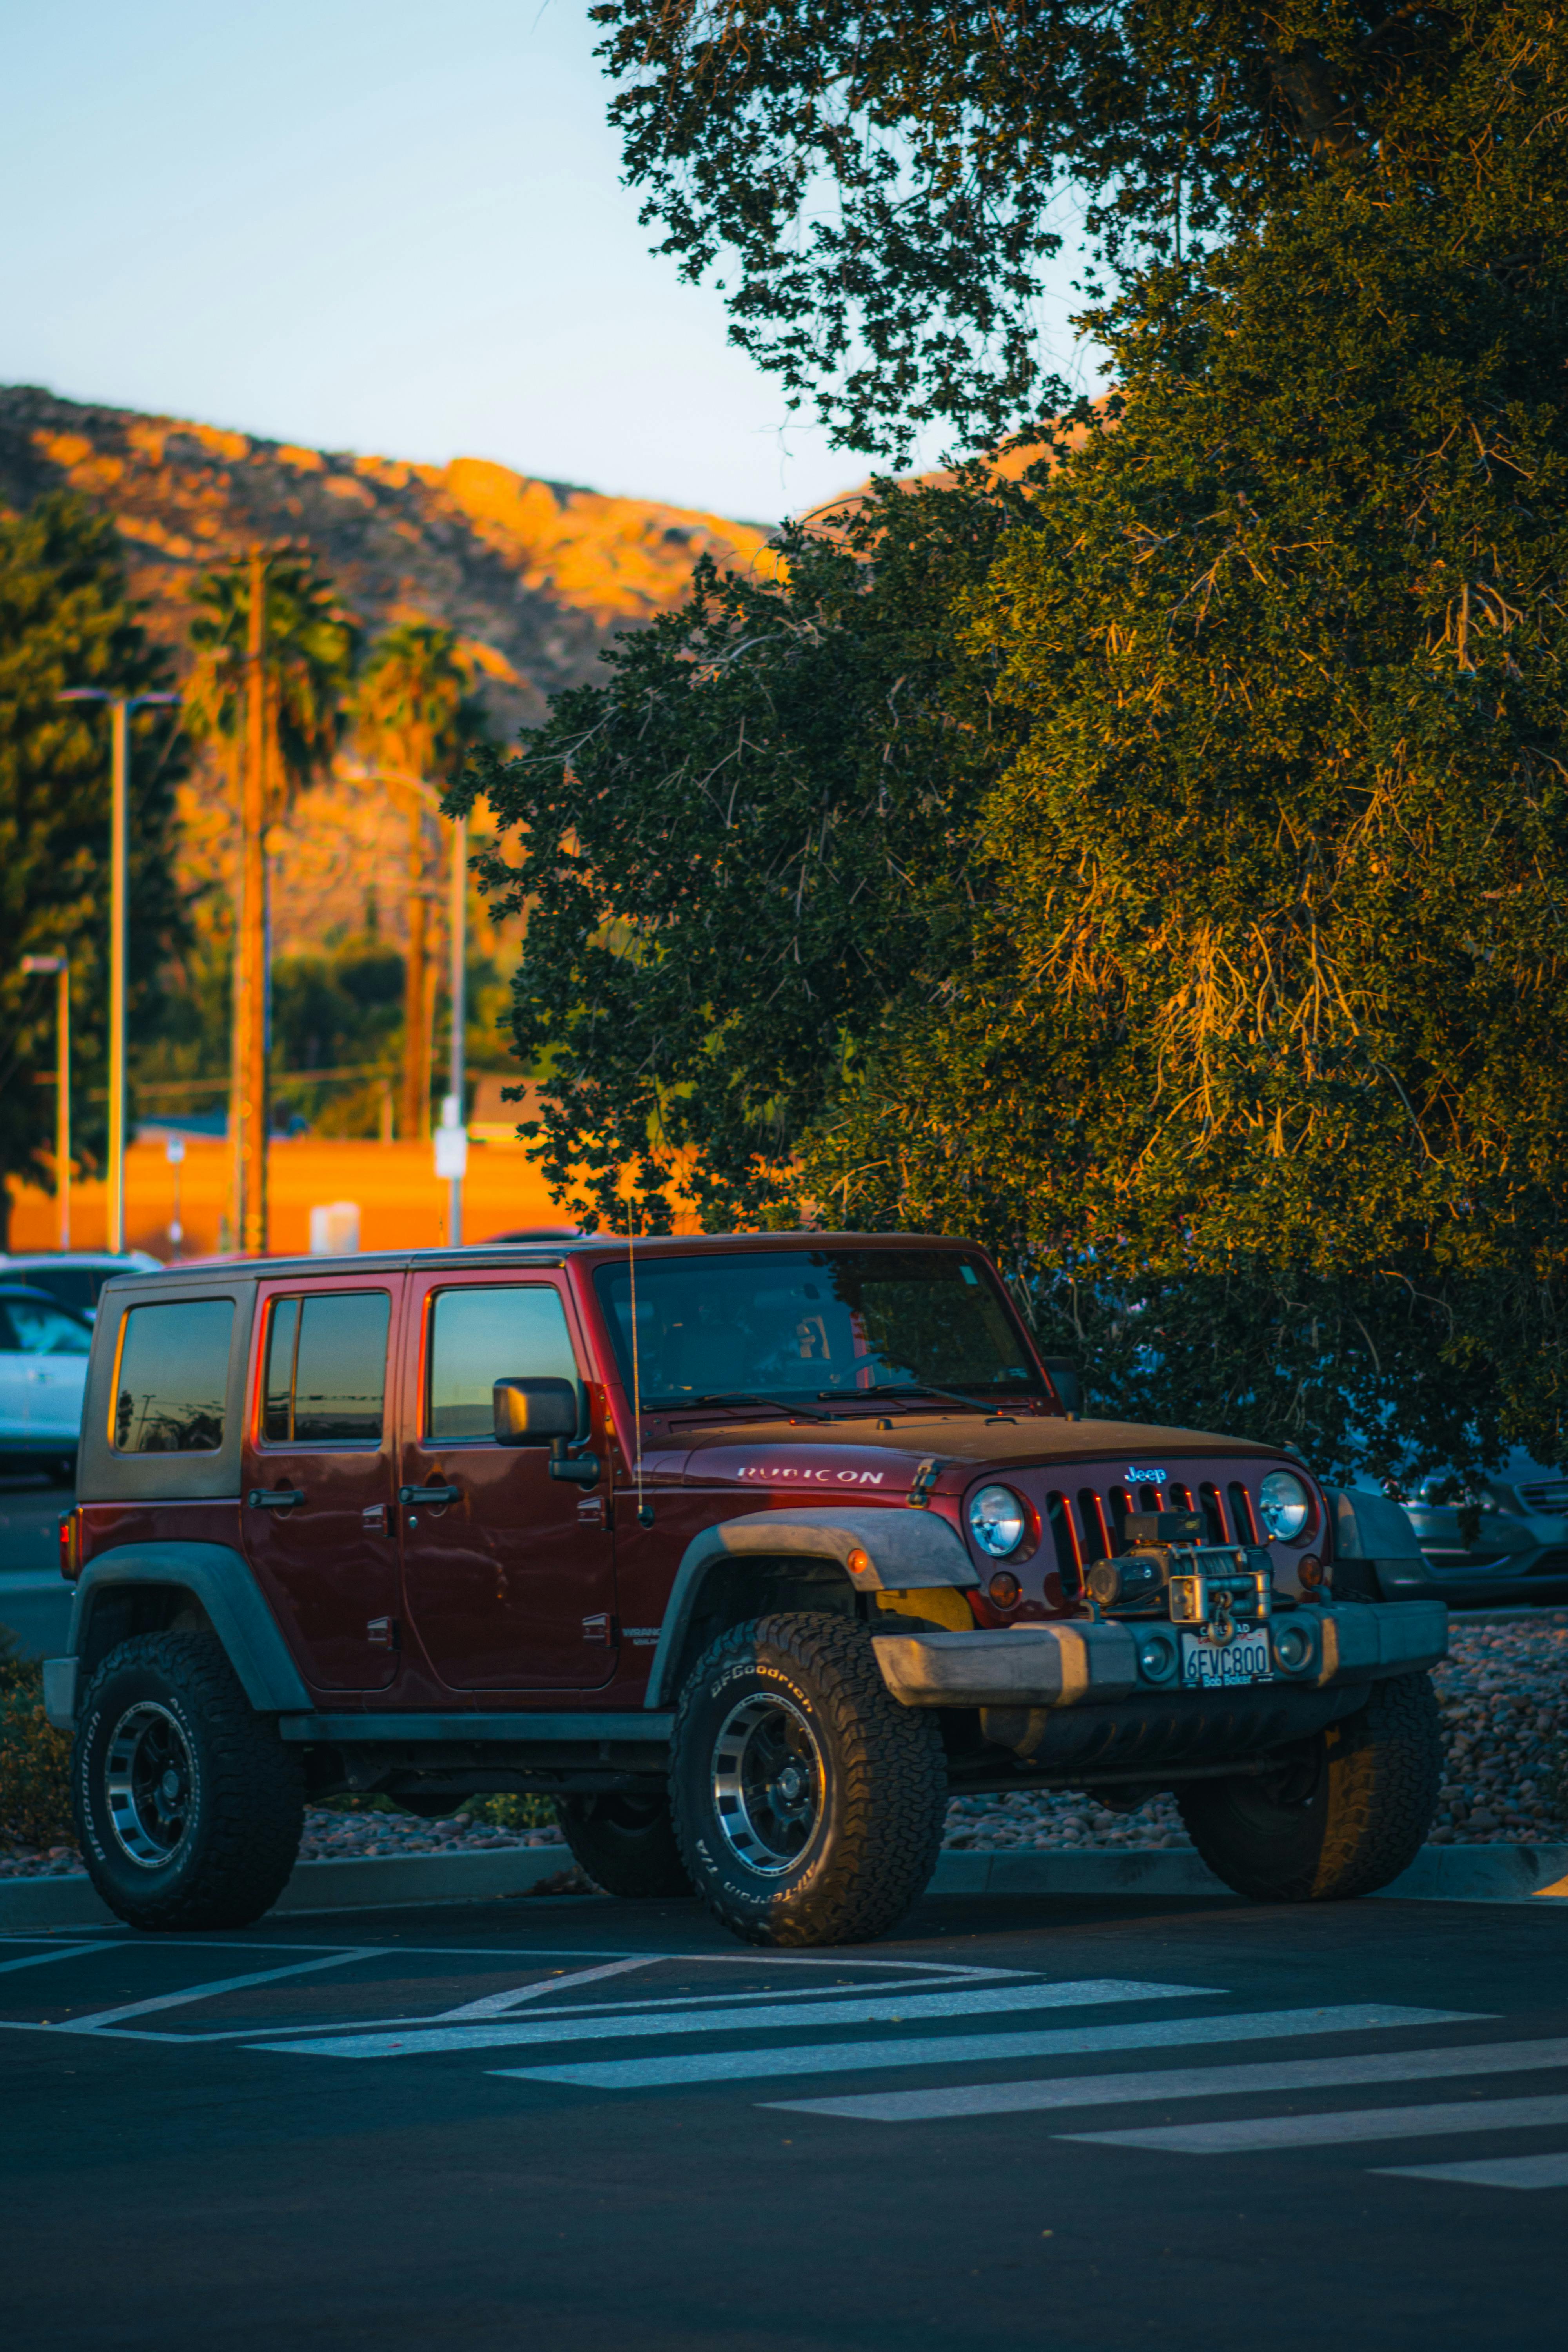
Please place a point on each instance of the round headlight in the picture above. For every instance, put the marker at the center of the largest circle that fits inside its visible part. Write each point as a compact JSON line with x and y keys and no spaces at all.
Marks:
{"x":1284,"y":1506}
{"x":997,"y":1520}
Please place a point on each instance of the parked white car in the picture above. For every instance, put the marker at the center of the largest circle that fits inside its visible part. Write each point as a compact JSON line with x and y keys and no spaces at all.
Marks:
{"x":44,"y":1349}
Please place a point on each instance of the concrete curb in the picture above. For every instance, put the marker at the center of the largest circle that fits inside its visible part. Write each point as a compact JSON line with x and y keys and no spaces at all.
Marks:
{"x":362,"y":1882}
{"x":1440,"y":1874}
{"x":1476,"y":1873}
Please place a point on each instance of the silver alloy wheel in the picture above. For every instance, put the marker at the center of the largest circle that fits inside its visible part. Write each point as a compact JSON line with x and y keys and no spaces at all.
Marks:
{"x":150,"y":1782}
{"x":769,"y":1782}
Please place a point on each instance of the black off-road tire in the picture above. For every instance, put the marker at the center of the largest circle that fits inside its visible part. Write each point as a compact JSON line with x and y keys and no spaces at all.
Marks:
{"x":876,"y":1788}
{"x":234,"y":1832}
{"x":1346,"y":1811}
{"x":626,"y":1844}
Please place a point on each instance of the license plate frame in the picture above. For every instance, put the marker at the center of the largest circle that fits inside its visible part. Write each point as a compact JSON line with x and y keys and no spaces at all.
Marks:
{"x":1240,"y":1663}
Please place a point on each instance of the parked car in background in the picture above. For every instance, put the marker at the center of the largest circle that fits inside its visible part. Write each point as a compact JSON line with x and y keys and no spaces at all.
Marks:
{"x":74,"y":1277}
{"x":1501,"y":1538}
{"x":44,"y":1349}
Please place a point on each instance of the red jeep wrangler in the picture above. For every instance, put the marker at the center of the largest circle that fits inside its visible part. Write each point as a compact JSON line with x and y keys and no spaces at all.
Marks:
{"x":749,"y":1551}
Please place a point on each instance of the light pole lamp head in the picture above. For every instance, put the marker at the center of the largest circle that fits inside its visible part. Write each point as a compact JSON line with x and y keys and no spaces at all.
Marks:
{"x":39,"y":964}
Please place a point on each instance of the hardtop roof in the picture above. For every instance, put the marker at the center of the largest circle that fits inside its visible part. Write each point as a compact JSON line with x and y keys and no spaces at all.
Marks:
{"x":526,"y":1253}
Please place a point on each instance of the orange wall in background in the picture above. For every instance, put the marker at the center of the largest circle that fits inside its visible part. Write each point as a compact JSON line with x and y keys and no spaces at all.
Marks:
{"x":402,"y":1203}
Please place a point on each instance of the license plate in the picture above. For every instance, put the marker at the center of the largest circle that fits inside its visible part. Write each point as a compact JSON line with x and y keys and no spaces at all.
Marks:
{"x":1226,"y":1666}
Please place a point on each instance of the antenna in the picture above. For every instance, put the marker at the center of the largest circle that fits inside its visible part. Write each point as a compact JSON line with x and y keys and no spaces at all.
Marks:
{"x":644,"y":1510}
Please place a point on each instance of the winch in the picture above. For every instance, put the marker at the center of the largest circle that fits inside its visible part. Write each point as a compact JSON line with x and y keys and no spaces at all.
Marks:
{"x":1167,"y":1571}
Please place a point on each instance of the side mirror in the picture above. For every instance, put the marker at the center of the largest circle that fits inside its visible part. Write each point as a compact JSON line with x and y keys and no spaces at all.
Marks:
{"x":535,"y":1412}
{"x":1068,"y":1382}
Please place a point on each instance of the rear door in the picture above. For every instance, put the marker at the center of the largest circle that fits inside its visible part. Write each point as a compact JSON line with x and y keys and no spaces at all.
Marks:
{"x":509,"y":1580}
{"x":317,"y":1506}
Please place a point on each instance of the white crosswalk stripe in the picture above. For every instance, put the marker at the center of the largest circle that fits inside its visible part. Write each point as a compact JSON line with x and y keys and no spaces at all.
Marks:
{"x":887,"y":2008}
{"x":1340,"y":2130}
{"x":1169,"y":2083}
{"x":972,"y":2049}
{"x":1488,"y":2172}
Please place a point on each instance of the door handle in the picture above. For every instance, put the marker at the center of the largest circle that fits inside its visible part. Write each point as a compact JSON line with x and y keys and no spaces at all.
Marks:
{"x":427,"y":1494}
{"x":274,"y":1499}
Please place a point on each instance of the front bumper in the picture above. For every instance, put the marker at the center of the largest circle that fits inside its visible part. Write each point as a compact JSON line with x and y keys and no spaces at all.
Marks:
{"x":1087,"y":1665}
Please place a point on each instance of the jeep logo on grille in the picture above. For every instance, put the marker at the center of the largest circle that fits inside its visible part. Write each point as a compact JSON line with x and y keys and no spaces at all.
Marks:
{"x":1136,"y":1478}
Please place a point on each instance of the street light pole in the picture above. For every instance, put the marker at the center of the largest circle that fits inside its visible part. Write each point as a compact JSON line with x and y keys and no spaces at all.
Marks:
{"x":120,"y":706}
{"x":251,"y":1118}
{"x":61,"y":969}
{"x":457,"y":930}
{"x":118,"y":919}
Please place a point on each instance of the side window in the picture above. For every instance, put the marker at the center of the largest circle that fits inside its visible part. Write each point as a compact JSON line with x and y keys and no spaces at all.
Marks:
{"x":173,"y":1376}
{"x":325,"y":1383}
{"x":44,"y":1331}
{"x":480,"y":1335}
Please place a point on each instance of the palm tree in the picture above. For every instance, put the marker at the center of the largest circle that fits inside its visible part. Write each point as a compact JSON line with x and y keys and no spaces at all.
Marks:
{"x":309,"y":648}
{"x":308,"y":645}
{"x":413,"y":716}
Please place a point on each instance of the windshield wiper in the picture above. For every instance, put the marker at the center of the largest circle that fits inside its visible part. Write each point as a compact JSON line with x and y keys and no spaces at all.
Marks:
{"x":742,"y":1396}
{"x":919,"y":1389}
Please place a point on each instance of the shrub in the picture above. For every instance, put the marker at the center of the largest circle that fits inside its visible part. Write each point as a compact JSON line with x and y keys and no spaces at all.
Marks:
{"x":34,"y":1784}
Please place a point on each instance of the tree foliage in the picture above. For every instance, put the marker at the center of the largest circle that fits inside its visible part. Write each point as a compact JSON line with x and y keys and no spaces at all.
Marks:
{"x":1208,"y":959}
{"x":65,"y":621}
{"x":311,"y":645}
{"x":735,"y":855}
{"x":880,"y":183}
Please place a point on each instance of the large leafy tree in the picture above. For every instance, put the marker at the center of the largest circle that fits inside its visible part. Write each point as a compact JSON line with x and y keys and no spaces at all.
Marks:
{"x":738,"y":852}
{"x":878,"y":183}
{"x":1226,"y":1002}
{"x":414,"y":715}
{"x":65,"y":621}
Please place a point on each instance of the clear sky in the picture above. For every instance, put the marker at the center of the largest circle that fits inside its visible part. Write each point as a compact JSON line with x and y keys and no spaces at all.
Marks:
{"x":363,"y":225}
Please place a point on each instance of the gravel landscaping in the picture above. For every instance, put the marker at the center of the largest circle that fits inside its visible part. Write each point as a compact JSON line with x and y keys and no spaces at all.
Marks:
{"x":1504,"y":1696}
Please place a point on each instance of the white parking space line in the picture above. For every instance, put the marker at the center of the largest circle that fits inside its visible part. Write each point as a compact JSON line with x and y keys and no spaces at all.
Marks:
{"x":891,"y":2008}
{"x":1340,"y":2130}
{"x":1494,"y":2172}
{"x":37,"y":1960}
{"x":1183,"y":2082}
{"x":974,"y":2049}
{"x":218,"y":1985}
{"x":496,"y":2004}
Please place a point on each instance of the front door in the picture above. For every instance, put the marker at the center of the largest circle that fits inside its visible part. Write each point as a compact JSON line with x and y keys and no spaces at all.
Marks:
{"x":508,"y":1572}
{"x":320,"y":1528}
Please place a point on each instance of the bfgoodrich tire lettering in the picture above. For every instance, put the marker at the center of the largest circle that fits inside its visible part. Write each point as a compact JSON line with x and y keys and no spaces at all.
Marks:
{"x":188,"y":1805}
{"x":626,"y":1844}
{"x":808,"y":1804}
{"x":1341,"y":1815}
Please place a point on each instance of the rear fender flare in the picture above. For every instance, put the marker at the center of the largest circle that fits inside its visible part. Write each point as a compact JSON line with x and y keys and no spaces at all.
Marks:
{"x":219,"y":1583}
{"x":904,"y":1551}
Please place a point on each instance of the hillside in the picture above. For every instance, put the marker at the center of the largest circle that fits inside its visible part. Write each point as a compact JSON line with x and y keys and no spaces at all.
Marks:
{"x":534,"y":576}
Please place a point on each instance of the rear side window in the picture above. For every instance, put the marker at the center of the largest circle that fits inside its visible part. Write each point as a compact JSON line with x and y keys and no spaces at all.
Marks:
{"x":173,"y":1377}
{"x":28,"y":1327}
{"x":482,"y":1336}
{"x":326,"y":1369}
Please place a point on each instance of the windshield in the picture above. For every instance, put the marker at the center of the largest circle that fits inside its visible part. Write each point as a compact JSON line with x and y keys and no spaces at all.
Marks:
{"x":813,"y":1324}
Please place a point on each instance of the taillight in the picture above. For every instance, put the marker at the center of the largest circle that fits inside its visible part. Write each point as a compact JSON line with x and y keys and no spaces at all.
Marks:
{"x":70,"y":1545}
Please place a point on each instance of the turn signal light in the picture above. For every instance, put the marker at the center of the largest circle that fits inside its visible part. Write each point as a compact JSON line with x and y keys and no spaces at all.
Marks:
{"x":1310,"y":1569}
{"x":858,"y":1562}
{"x":1003,"y":1589}
{"x":70,"y":1545}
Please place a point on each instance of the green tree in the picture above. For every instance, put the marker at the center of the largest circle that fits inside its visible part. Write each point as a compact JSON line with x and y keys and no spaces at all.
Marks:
{"x":415,"y":716}
{"x":311,"y":649}
{"x":742,"y":849}
{"x":65,"y":620}
{"x":880,"y":183}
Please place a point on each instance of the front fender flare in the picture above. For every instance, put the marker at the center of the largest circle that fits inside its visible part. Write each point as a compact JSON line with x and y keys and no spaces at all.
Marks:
{"x":219,"y":1578}
{"x":905,"y":1550}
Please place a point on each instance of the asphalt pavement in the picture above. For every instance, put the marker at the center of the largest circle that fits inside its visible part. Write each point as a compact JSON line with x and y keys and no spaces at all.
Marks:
{"x":586,"y":2123}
